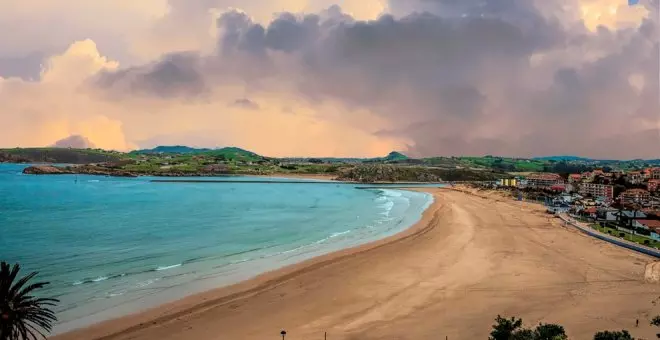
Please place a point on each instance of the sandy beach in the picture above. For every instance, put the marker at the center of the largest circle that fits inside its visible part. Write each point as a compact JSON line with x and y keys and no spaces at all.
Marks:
{"x":467,"y":260}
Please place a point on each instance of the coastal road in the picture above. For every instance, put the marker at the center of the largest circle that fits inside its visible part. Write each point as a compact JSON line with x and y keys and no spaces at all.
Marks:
{"x":469,"y":259}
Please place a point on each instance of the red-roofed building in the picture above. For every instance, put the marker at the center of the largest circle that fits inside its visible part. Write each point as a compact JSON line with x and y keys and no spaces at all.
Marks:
{"x":587,"y":176}
{"x":653,"y":185}
{"x":558,"y":187}
{"x":647,"y":224}
{"x":544,"y":180}
{"x":574,"y":178}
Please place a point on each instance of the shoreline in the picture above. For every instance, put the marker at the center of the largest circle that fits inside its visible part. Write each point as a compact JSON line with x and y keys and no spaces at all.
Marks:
{"x":264,"y":277}
{"x":477,"y":255}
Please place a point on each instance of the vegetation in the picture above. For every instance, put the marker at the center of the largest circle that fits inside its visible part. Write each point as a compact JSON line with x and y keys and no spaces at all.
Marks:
{"x":22,"y":315}
{"x":392,"y":173}
{"x":186,"y":161}
{"x":613,"y":335}
{"x":647,"y":241}
{"x":512,"y":329}
{"x":170,"y":149}
{"x":58,"y":155}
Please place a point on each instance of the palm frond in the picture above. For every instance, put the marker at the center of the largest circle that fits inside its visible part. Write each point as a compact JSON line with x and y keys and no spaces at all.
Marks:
{"x":24,"y":316}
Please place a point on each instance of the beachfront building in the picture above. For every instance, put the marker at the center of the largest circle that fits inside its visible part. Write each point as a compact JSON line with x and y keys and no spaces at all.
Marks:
{"x":544,"y":180}
{"x":646,"y":224}
{"x":634,"y":196}
{"x":507,"y":182}
{"x":574,"y":178}
{"x":597,"y":190}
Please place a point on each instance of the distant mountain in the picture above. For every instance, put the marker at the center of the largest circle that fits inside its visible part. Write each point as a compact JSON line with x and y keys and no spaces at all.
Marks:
{"x":395,"y":156}
{"x":563,"y":158}
{"x":75,"y":142}
{"x":171,"y":149}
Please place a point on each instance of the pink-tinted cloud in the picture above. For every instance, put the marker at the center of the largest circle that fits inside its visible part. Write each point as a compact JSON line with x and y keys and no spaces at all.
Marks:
{"x":509,"y":77}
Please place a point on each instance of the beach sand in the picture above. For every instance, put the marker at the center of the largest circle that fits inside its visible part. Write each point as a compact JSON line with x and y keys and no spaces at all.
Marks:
{"x":469,"y":259}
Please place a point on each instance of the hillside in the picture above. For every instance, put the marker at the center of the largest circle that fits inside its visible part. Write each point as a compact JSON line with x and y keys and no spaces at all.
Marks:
{"x":392,"y":173}
{"x":58,"y":155}
{"x":563,"y":158}
{"x":180,"y":160}
{"x":171,"y":149}
{"x":234,"y":154}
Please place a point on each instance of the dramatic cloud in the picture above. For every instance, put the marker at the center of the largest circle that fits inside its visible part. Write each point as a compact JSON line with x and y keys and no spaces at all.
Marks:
{"x":433,"y":77}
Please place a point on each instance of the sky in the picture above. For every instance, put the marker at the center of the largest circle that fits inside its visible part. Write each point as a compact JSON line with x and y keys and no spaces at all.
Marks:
{"x":334,"y":77}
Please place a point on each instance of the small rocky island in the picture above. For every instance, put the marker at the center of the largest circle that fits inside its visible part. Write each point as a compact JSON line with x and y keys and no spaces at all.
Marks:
{"x":77,"y":169}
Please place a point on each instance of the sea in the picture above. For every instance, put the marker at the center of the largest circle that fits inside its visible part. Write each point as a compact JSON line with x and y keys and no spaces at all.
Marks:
{"x":113,"y":246}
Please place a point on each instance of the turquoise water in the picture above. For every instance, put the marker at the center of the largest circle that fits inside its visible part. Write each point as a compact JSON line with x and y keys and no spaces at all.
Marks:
{"x":112,"y":246}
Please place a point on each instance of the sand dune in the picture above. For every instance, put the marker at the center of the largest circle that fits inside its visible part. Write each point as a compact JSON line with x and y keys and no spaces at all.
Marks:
{"x":469,"y":259}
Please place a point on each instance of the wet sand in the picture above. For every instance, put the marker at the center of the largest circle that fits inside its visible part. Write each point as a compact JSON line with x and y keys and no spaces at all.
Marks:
{"x":468,"y":259}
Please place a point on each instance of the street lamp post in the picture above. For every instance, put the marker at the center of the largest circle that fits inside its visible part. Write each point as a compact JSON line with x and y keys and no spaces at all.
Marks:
{"x":283,"y":334}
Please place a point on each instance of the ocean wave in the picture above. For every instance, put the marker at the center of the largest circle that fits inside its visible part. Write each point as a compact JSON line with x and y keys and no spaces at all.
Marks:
{"x":333,"y":235}
{"x":92,"y":280}
{"x":147,"y":282}
{"x":169,"y":267}
{"x":391,"y":193}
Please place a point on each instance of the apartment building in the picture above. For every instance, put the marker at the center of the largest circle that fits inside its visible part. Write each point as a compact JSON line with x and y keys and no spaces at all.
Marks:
{"x":544,"y":180}
{"x":634,"y":196}
{"x":597,"y":190}
{"x":655,"y":173}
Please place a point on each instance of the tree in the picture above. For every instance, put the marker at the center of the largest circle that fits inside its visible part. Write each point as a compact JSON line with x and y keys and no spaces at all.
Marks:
{"x":504,"y":329}
{"x":656,"y":322}
{"x":613,"y":335}
{"x":549,"y":332}
{"x":22,"y":315}
{"x":511,"y":329}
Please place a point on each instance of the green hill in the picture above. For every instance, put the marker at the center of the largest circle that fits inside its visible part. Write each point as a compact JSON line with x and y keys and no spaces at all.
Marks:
{"x":176,"y":149}
{"x":395,"y":156}
{"x":234,"y":154}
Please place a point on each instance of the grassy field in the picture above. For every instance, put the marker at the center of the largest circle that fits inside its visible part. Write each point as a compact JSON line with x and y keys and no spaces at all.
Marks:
{"x":628,"y":236}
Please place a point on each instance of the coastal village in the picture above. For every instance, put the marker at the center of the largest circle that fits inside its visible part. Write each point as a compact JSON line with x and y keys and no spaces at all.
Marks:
{"x":624,"y":204}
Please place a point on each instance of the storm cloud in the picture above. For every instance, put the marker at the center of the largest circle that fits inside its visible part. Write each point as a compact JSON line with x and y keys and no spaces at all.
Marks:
{"x":431,"y":77}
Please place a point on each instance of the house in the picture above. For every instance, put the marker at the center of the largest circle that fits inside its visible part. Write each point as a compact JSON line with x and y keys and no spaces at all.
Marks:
{"x":651,"y":225}
{"x":653,"y":185}
{"x":544,"y":180}
{"x":590,"y":212}
{"x":635,"y":177}
{"x":587,"y":176}
{"x":558,"y":188}
{"x":647,"y":224}
{"x":631,"y":196}
{"x":655,"y":173}
{"x":570,"y":187}
{"x":597,"y":190}
{"x":574,"y":178}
